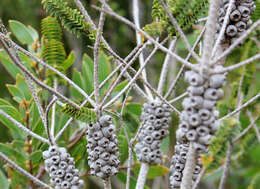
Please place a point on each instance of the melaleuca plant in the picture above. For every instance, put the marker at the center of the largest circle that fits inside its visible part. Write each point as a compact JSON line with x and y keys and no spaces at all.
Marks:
{"x":93,"y":117}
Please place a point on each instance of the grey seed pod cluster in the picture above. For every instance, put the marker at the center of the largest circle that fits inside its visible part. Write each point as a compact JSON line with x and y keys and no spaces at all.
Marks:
{"x":103,"y":153}
{"x":178,"y":163}
{"x":61,"y":168}
{"x":155,"y":122}
{"x":239,"y":19}
{"x":198,"y":120}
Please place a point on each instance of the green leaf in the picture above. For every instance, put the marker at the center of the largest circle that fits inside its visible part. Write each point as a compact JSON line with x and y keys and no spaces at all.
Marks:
{"x":10,"y":110}
{"x":36,"y":157}
{"x":15,"y":92}
{"x":134,"y":109}
{"x":123,"y":148}
{"x":154,"y":171}
{"x":33,"y":33}
{"x":8,"y":64}
{"x":78,"y":79}
{"x":69,"y":61}
{"x":4,"y":184}
{"x":87,"y":73}
{"x":120,"y":86}
{"x":21,"y":32}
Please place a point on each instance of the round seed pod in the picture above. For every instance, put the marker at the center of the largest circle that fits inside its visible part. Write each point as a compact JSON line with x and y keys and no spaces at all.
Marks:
{"x":194,"y":120}
{"x":209,"y":104}
{"x":177,"y":176}
{"x":231,"y":31}
{"x":235,"y":16}
{"x":179,"y":167}
{"x":204,"y":114}
{"x":202,"y":131}
{"x":205,"y":139}
{"x":211,"y":94}
{"x":245,"y":11}
{"x":196,"y":91}
{"x":184,"y":126}
{"x":241,"y":26}
{"x":191,"y":135}
{"x":195,"y":79}
{"x":200,"y":148}
{"x":196,"y":101}
{"x":217,"y":80}
{"x":105,"y":120}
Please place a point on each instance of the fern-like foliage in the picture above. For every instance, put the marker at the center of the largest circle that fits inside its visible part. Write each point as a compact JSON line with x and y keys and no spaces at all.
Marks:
{"x":53,"y":48}
{"x":218,"y":144}
{"x":71,"y":19}
{"x":51,"y":29}
{"x":186,"y":12}
{"x":84,"y":114}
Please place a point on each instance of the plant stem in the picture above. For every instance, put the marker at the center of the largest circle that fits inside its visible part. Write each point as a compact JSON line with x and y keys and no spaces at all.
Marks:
{"x":107,"y":183}
{"x":18,"y":48}
{"x":19,"y":125}
{"x":249,"y":114}
{"x":139,"y":41}
{"x":142,"y":176}
{"x":164,"y":49}
{"x":226,"y":166}
{"x":189,"y":168}
{"x":173,"y":85}
{"x":178,"y":28}
{"x":55,"y":85}
{"x":178,"y":97}
{"x":32,"y":77}
{"x":23,"y":172}
{"x":241,"y":107}
{"x":166,"y":62}
{"x":209,"y":35}
{"x":195,"y":185}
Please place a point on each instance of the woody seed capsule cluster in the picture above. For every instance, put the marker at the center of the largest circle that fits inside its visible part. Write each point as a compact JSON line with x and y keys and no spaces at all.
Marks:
{"x":239,"y":19}
{"x":103,"y":154}
{"x":198,"y":120}
{"x":155,"y":123}
{"x":61,"y":168}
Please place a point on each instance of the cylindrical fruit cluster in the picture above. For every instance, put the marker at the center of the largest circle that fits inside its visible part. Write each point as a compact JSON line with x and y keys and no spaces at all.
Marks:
{"x":103,"y":153}
{"x":239,"y":19}
{"x":178,"y":164}
{"x":198,"y":120}
{"x":156,"y":117}
{"x":61,"y":168}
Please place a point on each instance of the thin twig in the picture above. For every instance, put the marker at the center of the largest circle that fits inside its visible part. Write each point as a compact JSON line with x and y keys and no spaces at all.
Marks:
{"x":27,"y":53}
{"x":123,"y":71}
{"x":48,"y":108}
{"x":32,"y":77}
{"x":23,"y":172}
{"x":165,"y":66}
{"x":235,"y":66}
{"x":237,"y":42}
{"x":189,"y":168}
{"x":18,"y":124}
{"x":223,"y":28}
{"x":226,"y":166}
{"x":96,"y":58}
{"x":249,"y":114}
{"x":108,"y":48}
{"x":178,"y":97}
{"x":139,"y":41}
{"x":142,"y":176}
{"x":241,"y":107}
{"x":240,"y":135}
{"x":168,"y":94}
{"x":55,"y":86}
{"x":179,"y":30}
{"x":164,"y":49}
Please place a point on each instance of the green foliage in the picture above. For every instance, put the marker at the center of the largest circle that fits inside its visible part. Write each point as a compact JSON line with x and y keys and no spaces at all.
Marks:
{"x":255,"y":182}
{"x":51,"y":29}
{"x":186,"y":12}
{"x":71,"y":19}
{"x":21,"y":32}
{"x":218,"y":144}
{"x":154,"y":171}
{"x":84,"y":114}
